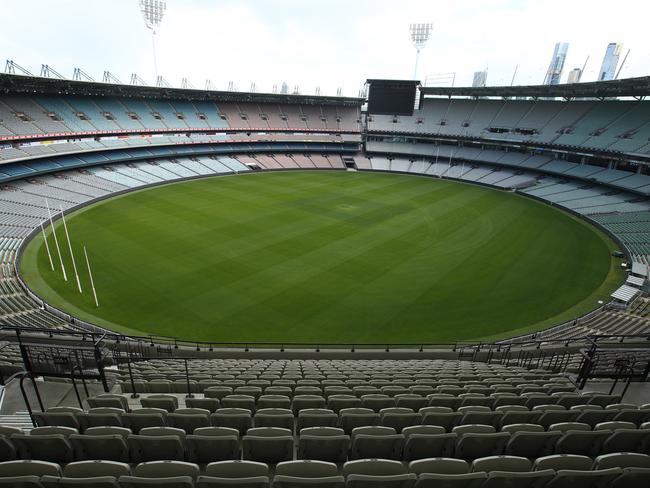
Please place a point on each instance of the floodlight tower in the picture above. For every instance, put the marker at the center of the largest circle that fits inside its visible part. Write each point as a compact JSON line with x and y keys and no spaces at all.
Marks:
{"x":153,"y":12}
{"x":420,"y":34}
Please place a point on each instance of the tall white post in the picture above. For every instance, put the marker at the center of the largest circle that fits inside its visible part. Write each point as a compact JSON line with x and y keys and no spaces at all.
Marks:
{"x":47,"y":247}
{"x":56,"y":241}
{"x":92,"y":282}
{"x":74,"y":264}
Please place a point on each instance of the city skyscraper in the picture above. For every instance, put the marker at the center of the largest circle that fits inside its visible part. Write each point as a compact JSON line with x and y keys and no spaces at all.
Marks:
{"x":480,"y":78}
{"x":610,"y":61}
{"x":554,"y":72}
{"x":574,"y":75}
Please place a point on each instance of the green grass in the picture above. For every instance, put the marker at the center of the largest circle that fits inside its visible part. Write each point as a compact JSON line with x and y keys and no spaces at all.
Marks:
{"x":327,"y":257}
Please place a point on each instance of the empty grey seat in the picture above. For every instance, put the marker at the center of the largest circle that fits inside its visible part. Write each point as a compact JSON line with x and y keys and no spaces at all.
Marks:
{"x":512,"y":428}
{"x":110,"y":447}
{"x":144,"y":417}
{"x":26,"y":481}
{"x":24,"y":467}
{"x":378,"y":473}
{"x":26,"y":474}
{"x":306,"y":401}
{"x":423,"y":445}
{"x":323,"y":444}
{"x":532,"y":444}
{"x":593,"y":417}
{"x":246,"y":474}
{"x":218,"y":392}
{"x":55,"y":448}
{"x":398,"y":418}
{"x":633,"y":477}
{"x":274,"y":417}
{"x":627,"y":440}
{"x":444,"y":400}
{"x":350,"y":418}
{"x":209,"y":404}
{"x":100,"y":416}
{"x":274,"y":401}
{"x":109,"y":400}
{"x":95,"y":481}
{"x":171,"y":482}
{"x":439,"y":465}
{"x":563,"y":461}
{"x":145,"y":448}
{"x":567,"y":426}
{"x":566,"y":478}
{"x":297,"y":474}
{"x":587,"y":443}
{"x":485,"y":418}
{"x":165,"y":402}
{"x":108,"y":430}
{"x":316,"y":417}
{"x":551,"y":417}
{"x":63,"y":419}
{"x":210,"y":444}
{"x":166,"y":469}
{"x":268,"y":445}
{"x":435,"y":480}
{"x":448,"y":420}
{"x":164,"y":431}
{"x":377,"y":401}
{"x":502,"y":463}
{"x":376,"y":442}
{"x":634,"y":415}
{"x":53,"y":429}
{"x":603,"y":400}
{"x":503,"y":399}
{"x":239,"y":401}
{"x":508,"y":479}
{"x":338,"y":402}
{"x":7,"y":449}
{"x":520,"y":417}
{"x":236,"y":418}
{"x":472,"y":446}
{"x":473,"y":429}
{"x":87,"y":469}
{"x":622,"y":460}
{"x":189,"y":419}
{"x":411,"y":400}
{"x":251,"y":390}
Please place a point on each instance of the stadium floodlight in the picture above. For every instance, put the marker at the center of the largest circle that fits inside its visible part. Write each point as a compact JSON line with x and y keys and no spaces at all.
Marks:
{"x":153,"y":12}
{"x":420,"y":34}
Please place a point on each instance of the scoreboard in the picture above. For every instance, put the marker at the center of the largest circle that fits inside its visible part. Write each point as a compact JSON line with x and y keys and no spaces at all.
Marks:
{"x":392,"y":97}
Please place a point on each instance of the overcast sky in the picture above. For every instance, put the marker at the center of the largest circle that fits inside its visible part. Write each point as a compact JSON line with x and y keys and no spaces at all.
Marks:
{"x":326,"y":43}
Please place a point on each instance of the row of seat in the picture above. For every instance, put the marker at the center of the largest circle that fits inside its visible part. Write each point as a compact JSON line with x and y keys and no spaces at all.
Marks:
{"x":320,"y":386}
{"x":399,"y":418}
{"x":276,"y":444}
{"x":622,"y":470}
{"x":336,"y":400}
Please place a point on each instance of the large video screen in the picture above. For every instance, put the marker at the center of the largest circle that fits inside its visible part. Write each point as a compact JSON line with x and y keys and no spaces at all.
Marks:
{"x":391,"y":98}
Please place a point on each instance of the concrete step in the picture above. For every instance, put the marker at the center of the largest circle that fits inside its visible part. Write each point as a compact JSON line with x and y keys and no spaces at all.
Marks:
{"x":20,"y":419}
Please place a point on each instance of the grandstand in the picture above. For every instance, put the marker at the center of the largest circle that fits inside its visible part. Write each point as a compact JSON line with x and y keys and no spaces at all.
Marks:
{"x":542,"y":409}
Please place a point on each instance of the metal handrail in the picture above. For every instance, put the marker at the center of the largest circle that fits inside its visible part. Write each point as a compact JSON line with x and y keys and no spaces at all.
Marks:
{"x":176,"y":343}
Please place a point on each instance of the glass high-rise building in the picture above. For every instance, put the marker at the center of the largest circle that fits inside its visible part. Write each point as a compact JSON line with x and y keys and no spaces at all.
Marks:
{"x":480,"y":78}
{"x":554,"y":72}
{"x":574,"y":75}
{"x":610,"y":61}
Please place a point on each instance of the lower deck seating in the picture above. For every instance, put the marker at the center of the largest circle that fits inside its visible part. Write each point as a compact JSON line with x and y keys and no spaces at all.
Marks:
{"x":334,"y":423}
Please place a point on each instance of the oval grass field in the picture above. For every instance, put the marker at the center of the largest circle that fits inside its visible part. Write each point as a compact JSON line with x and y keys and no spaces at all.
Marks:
{"x":329,"y":257}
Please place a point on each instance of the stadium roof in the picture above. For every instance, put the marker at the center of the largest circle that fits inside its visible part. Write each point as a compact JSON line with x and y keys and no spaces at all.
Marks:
{"x":29,"y":85}
{"x":630,"y":87}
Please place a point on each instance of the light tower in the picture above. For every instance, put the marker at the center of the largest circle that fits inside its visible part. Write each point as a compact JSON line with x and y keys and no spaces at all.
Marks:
{"x":420,"y":34}
{"x":153,"y":12}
